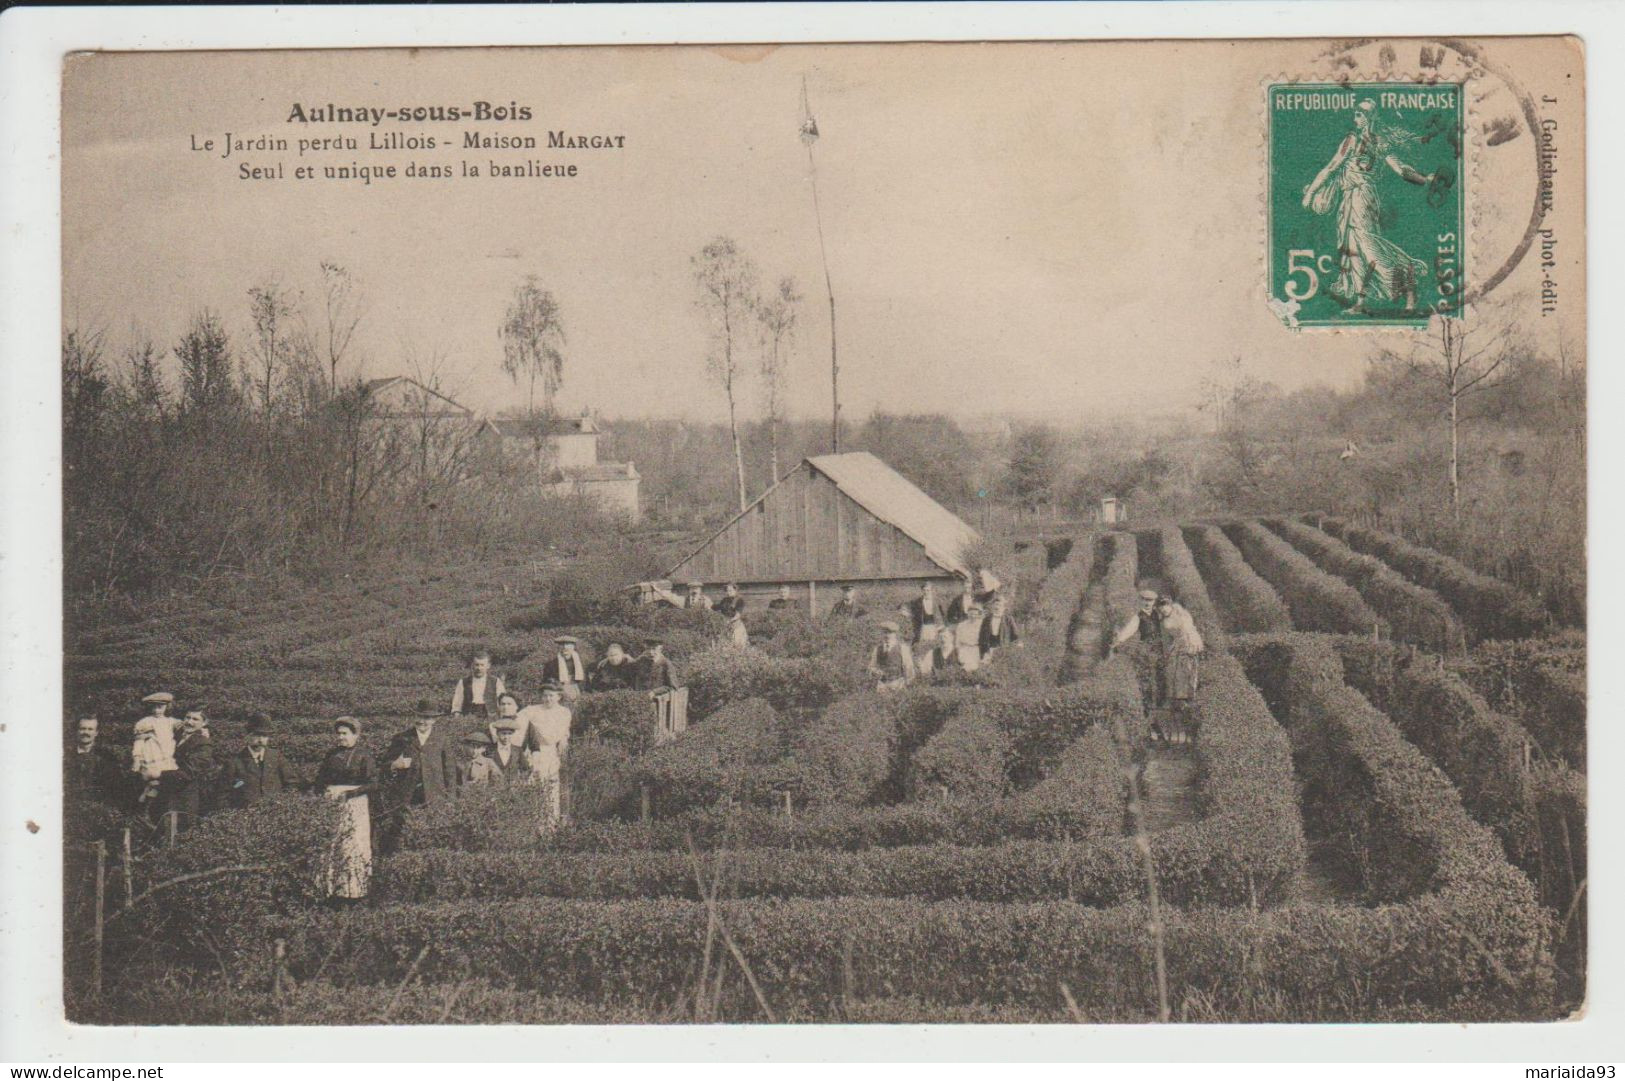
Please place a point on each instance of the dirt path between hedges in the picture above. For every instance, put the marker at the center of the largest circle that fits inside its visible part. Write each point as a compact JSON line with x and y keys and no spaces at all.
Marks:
{"x":1168,"y":785}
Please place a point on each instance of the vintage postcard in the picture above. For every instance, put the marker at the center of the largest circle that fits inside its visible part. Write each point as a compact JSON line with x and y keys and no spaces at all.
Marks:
{"x":1067,"y":532}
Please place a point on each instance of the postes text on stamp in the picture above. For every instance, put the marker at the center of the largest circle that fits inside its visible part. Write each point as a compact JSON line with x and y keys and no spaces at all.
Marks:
{"x":1366,"y":221}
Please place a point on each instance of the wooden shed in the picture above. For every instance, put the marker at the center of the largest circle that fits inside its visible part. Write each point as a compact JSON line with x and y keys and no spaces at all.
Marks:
{"x":835,"y":519}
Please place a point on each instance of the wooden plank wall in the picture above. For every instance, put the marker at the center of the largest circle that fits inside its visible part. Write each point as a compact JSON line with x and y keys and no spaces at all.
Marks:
{"x":806,"y":529}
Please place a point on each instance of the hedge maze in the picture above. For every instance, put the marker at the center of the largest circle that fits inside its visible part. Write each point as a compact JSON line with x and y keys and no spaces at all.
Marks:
{"x":1385,"y":819}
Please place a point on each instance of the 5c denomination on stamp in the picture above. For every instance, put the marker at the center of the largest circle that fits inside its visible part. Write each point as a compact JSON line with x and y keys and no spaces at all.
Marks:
{"x":1366,"y":222}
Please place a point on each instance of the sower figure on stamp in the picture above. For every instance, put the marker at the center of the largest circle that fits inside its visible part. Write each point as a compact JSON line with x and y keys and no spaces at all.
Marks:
{"x":1370,"y":266}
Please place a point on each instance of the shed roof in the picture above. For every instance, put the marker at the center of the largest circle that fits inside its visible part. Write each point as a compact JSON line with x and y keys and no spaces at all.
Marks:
{"x":894,"y":499}
{"x":888,"y":496}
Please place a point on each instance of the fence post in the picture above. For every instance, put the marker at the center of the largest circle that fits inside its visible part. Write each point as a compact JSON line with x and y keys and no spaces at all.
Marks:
{"x":279,"y":955}
{"x":643,"y":804}
{"x":1526,"y":754}
{"x":788,"y":811}
{"x":101,"y":912}
{"x":172,"y":821}
{"x":129,"y":878}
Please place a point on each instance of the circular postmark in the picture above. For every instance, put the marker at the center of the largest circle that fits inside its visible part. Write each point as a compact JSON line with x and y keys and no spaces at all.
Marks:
{"x":1502,"y":114}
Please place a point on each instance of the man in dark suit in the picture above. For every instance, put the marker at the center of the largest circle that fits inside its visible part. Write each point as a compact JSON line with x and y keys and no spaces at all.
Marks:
{"x":616,"y":672}
{"x":194,"y":776}
{"x":998,"y":629}
{"x":92,"y":769}
{"x":924,"y":616}
{"x":848,"y":607}
{"x":259,"y":770}
{"x":422,"y":764}
{"x":655,"y":670}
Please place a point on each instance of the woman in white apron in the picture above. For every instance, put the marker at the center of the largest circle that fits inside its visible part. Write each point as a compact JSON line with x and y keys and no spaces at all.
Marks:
{"x":348,"y":774}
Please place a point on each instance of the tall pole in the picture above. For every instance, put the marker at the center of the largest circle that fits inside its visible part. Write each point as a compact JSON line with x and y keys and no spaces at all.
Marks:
{"x":809,"y":135}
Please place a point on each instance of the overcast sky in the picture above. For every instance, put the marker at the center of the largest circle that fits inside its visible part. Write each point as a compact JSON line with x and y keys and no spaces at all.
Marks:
{"x":1031,"y":228}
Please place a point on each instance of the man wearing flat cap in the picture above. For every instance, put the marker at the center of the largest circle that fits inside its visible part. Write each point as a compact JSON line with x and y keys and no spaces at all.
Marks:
{"x":656,"y":673}
{"x":891,"y":662}
{"x":1145,"y":626}
{"x":567,"y":667}
{"x":259,"y":770}
{"x":848,"y":607}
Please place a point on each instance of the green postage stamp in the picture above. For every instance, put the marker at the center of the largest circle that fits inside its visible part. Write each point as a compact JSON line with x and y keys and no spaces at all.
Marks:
{"x":1366,"y":224}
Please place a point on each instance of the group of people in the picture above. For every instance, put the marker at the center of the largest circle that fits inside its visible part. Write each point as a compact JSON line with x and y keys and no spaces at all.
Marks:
{"x":175,"y":775}
{"x":941,"y":638}
{"x":1166,"y":626}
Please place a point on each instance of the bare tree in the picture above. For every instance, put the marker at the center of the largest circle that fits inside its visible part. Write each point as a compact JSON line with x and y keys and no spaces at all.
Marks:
{"x":727,"y":281}
{"x":1464,"y":357}
{"x":342,"y":309}
{"x":272,"y":313}
{"x":776,"y":314}
{"x":532,"y":339}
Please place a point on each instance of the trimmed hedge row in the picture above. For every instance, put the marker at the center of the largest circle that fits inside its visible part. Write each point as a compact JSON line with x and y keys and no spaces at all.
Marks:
{"x":1414,"y":614}
{"x":1120,"y":590}
{"x":725,"y":673}
{"x":1247,"y":603}
{"x":1185,"y":582}
{"x":1319,"y":602}
{"x":1488,"y":607}
{"x":1539,"y":814}
{"x":1304,"y":959}
{"x":1395,"y":825}
{"x":1542,"y":683}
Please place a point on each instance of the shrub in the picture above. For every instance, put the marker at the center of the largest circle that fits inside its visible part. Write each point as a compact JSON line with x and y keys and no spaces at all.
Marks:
{"x":1535,"y":812}
{"x":793,"y":633}
{"x":735,"y":755}
{"x":726,"y":673}
{"x":625,"y":719}
{"x":1414,"y":614}
{"x":1185,"y":583}
{"x":1392,"y":818}
{"x":1247,"y":603}
{"x":1318,"y":601}
{"x":1120,"y":586}
{"x":966,"y":758}
{"x":636,"y":953}
{"x":212,"y":893}
{"x":601,"y":780}
{"x":480,"y":818}
{"x":1542,"y":682}
{"x":844,"y":755}
{"x":1489,"y":608}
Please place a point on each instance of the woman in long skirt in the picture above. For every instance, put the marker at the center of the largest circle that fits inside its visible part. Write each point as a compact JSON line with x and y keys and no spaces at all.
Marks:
{"x":348,"y":774}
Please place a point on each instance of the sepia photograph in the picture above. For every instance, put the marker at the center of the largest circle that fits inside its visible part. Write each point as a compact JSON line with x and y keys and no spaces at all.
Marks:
{"x":991,"y":533}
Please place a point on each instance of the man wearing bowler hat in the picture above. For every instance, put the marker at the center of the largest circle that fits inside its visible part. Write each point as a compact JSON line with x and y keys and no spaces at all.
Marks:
{"x":259,"y":770}
{"x":421,"y":764}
